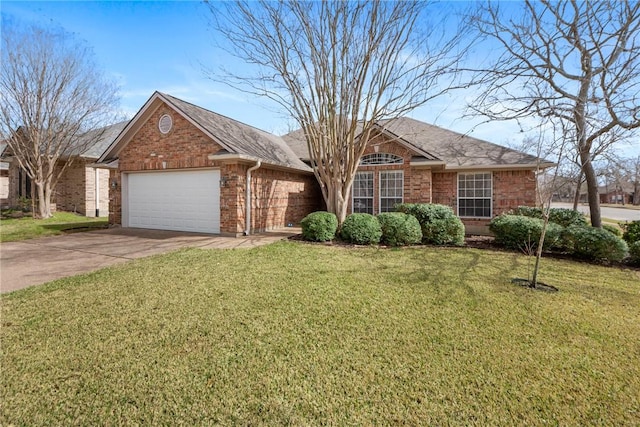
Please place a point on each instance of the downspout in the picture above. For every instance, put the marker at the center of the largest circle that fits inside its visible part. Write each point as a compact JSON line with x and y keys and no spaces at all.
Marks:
{"x":97,"y":191}
{"x":247,"y":202}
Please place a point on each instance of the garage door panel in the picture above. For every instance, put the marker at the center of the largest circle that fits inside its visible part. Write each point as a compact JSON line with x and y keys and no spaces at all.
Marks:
{"x":175,"y":200}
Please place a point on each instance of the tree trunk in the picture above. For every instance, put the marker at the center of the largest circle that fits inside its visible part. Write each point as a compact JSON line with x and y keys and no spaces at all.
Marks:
{"x":592,"y":189}
{"x":636,"y":193}
{"x":44,"y":200}
{"x":339,"y":204}
{"x":576,"y":196}
{"x":543,"y":233}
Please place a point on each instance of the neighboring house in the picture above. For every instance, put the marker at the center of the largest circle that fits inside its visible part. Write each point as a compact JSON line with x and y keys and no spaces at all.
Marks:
{"x":177,"y":166}
{"x":4,"y":176}
{"x":616,"y":194}
{"x":409,"y":161}
{"x":76,"y":190}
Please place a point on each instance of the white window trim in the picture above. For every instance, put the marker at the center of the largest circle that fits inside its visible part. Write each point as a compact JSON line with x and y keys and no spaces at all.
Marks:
{"x":373,"y":197}
{"x":466,"y":198}
{"x":399,"y":159}
{"x":380,"y":187}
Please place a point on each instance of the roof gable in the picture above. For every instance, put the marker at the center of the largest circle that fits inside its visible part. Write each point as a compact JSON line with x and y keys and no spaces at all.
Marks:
{"x":235,"y":137}
{"x":455,"y":150}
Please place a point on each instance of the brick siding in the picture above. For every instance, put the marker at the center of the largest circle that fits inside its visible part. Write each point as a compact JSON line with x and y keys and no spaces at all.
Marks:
{"x":279,"y":197}
{"x":417,"y":185}
{"x":511,"y":188}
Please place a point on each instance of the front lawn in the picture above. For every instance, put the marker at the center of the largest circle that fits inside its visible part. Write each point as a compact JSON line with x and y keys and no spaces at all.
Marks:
{"x":29,"y":228}
{"x":309,"y":334}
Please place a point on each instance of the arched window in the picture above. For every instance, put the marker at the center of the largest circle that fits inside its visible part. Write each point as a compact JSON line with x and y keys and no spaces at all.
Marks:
{"x":375,"y":159}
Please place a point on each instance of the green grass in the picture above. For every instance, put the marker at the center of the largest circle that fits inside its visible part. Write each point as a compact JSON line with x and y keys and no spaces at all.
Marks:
{"x":28,"y":228}
{"x":309,"y":334}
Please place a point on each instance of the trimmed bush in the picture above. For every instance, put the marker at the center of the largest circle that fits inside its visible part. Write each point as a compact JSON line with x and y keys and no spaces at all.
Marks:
{"x":319,"y":226}
{"x":595,"y":244}
{"x":612,"y":229}
{"x":567,"y":217}
{"x":631,"y":232}
{"x":634,"y":253}
{"x":399,"y":229}
{"x":361,"y":229}
{"x":439,"y":224}
{"x":529,"y":211}
{"x":561,"y":216}
{"x":523,"y":232}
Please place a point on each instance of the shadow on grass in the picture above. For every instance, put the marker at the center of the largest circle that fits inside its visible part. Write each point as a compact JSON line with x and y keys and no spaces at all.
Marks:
{"x":77,"y":226}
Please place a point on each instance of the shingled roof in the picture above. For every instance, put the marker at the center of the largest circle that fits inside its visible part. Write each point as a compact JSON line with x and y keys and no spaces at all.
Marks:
{"x":456,"y":150}
{"x":105,"y":136}
{"x":235,"y":137}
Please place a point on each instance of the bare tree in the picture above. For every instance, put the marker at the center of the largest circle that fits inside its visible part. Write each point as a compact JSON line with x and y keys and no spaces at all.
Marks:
{"x":51,"y":95}
{"x":576,"y":61}
{"x":338,"y":67}
{"x":632,"y":166}
{"x":554,"y":141}
{"x":624,"y":173}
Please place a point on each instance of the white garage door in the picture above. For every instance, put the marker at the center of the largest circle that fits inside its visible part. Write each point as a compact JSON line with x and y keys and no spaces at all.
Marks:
{"x":174,"y":200}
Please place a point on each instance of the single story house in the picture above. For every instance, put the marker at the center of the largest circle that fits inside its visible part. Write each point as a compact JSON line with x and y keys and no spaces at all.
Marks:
{"x":621,"y":194}
{"x":178,"y":166}
{"x":76,"y":190}
{"x":409,"y":161}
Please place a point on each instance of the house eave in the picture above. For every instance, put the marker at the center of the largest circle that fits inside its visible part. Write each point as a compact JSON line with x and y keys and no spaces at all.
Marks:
{"x":243,"y":158}
{"x":438,"y":164}
{"x":515,"y":166}
{"x":110,"y":164}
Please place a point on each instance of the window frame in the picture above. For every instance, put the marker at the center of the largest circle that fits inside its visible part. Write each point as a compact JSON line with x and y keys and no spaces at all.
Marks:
{"x":378,"y":159}
{"x":353,"y":192}
{"x":401,"y":188}
{"x":475,"y":197}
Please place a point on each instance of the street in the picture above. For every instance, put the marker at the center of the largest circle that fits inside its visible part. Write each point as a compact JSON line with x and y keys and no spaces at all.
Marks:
{"x":617,"y":213}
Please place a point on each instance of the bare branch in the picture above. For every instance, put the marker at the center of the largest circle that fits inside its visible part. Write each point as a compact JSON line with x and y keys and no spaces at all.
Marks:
{"x":578,"y":62}
{"x":337,"y":68}
{"x":51,"y":96}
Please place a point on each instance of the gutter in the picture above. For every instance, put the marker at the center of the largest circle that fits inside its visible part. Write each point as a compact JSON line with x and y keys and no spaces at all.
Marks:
{"x":97,"y":191}
{"x":247,"y":202}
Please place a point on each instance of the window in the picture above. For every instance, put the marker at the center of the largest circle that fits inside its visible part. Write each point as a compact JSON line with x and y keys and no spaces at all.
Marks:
{"x":24,"y":184}
{"x":474,"y":195}
{"x":391,"y":189}
{"x":363,"y":192}
{"x":381,"y":159}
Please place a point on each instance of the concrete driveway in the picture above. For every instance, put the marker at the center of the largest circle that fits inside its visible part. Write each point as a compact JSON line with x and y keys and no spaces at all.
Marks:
{"x":36,"y":261}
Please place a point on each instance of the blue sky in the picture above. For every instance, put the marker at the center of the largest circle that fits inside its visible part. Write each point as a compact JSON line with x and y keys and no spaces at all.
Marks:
{"x":148,"y":46}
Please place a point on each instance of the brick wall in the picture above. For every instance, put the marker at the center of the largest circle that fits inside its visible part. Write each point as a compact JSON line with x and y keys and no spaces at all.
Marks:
{"x":417,"y":185}
{"x":70,"y":192}
{"x":510,"y":190}
{"x":445,"y":188}
{"x":281,"y":198}
{"x":115,"y":197}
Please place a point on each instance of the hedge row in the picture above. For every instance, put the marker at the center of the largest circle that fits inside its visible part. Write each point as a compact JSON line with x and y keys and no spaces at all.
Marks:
{"x":522,"y":227}
{"x":412,"y":224}
{"x":631,"y":235}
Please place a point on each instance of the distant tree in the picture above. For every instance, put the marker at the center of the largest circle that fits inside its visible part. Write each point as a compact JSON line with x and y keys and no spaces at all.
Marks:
{"x":625,"y":174}
{"x":633,"y":170}
{"x":570,"y":60}
{"x":52,"y":94}
{"x":338,"y":67}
